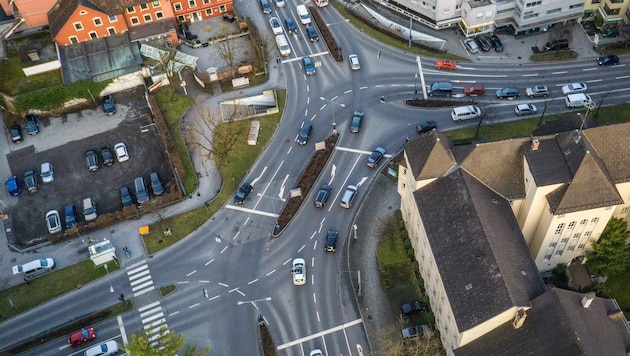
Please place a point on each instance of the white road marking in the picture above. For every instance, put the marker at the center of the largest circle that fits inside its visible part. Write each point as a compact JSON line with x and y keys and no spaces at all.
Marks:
{"x":319,"y":334}
{"x":301,"y":248}
{"x":191,"y":273}
{"x":244,"y":224}
{"x":213,"y":298}
{"x":254,"y":281}
{"x":347,"y":91}
{"x":225,"y":248}
{"x":194,"y":305}
{"x":183,"y":282}
{"x":270,"y":273}
{"x":204,"y":281}
{"x":148,"y":306}
{"x":223,"y":284}
{"x":209,"y":262}
{"x":123,"y":333}
{"x":563,"y":72}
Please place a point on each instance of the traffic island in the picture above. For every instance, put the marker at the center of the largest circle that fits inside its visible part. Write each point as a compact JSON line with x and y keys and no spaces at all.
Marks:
{"x":305,"y":183}
{"x":329,"y":39}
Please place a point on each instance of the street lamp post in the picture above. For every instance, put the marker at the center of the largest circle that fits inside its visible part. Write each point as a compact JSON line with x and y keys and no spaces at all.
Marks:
{"x":261,"y":320}
{"x":111,"y":288}
{"x":262,"y":50}
{"x":334,"y":123}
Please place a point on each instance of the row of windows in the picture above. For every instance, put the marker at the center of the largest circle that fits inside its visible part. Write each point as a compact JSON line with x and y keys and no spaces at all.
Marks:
{"x":93,"y":35}
{"x":134,"y":20}
{"x":560,"y":252}
{"x":191,"y":4}
{"x":208,"y":12}
{"x":131,"y":9}
{"x":572,"y":225}
{"x":147,"y":18}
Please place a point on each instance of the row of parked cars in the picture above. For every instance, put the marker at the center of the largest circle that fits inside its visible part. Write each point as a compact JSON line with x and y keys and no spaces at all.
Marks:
{"x":32,"y":128}
{"x":484,"y":43}
{"x":106,"y":156}
{"x":53,"y":219}
{"x":31,"y":182}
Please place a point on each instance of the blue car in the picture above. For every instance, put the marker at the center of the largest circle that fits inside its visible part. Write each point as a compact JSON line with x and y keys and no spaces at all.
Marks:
{"x":70,"y":216}
{"x":13,"y":187}
{"x":109,"y":106}
{"x":291,"y":28}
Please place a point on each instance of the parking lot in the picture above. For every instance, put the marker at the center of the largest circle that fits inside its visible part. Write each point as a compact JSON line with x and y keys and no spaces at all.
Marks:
{"x":63,"y":141}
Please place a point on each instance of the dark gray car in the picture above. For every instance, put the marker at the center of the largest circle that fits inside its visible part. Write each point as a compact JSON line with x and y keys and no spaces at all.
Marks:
{"x":141,"y":190}
{"x":156,"y":184}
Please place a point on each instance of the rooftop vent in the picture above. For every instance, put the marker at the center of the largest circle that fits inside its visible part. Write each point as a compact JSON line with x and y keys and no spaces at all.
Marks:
{"x":519,"y":318}
{"x":588,"y":299}
{"x":576,"y":139}
{"x":535,"y":144}
{"x":469,"y":286}
{"x":615,"y":315}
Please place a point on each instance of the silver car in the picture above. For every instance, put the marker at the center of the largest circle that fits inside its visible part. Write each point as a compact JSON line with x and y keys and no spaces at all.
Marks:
{"x":354,"y":62}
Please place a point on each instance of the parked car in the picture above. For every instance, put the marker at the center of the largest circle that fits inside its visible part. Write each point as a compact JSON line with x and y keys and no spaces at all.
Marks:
{"x":156,"y":184}
{"x":242,"y":193}
{"x":32,"y":125}
{"x":89,"y":209}
{"x":30,"y":181}
{"x":508,"y":93}
{"x":305,"y":131}
{"x":121,"y":152}
{"x":574,"y":88}
{"x":474,"y":90}
{"x":82,"y":336}
{"x":107,"y":156}
{"x":525,"y":109}
{"x":484,"y":43}
{"x":125,"y":197}
{"x":13,"y":186}
{"x":425,"y":126}
{"x":557,"y":45}
{"x":91,"y":159}
{"x":322,"y":196}
{"x":142,"y":196}
{"x":16,"y":133}
{"x":355,"y":125}
{"x":53,"y":222}
{"x":105,"y":349}
{"x":496,"y":43}
{"x":309,"y":66}
{"x":276,"y":27}
{"x":471,"y":45}
{"x":415,"y":331}
{"x":299,"y":271}
{"x":46,"y":172}
{"x":109,"y":106}
{"x":610,"y":32}
{"x":445,"y":64}
{"x":375,"y":157}
{"x":291,"y":28}
{"x":331,"y":241}
{"x":537,"y":91}
{"x":70,"y":216}
{"x":608,"y":60}
{"x":354,"y":62}
{"x":411,"y":308}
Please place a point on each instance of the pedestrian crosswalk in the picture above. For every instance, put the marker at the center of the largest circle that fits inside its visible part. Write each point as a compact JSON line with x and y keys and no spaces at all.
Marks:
{"x":153,"y":321}
{"x":140,"y":279}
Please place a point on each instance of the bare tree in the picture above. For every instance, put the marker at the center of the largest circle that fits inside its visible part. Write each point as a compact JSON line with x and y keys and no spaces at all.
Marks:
{"x":168,"y":65}
{"x":263,"y":45}
{"x":601,"y":102}
{"x":389,"y":342}
{"x":228,"y":48}
{"x":214,"y":135}
{"x":486,"y":113}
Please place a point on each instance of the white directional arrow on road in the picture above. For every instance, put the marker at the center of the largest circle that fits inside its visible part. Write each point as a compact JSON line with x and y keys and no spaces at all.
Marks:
{"x":332,"y":174}
{"x":361,"y":181}
{"x":260,"y":175}
{"x":282,"y":187}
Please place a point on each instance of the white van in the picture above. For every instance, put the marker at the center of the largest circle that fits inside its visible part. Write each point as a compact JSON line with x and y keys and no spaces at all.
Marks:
{"x":302,"y":12}
{"x":348,"y":195}
{"x":283,"y":45}
{"x":89,"y":209}
{"x":35,"y":268}
{"x":578,"y":100}
{"x":466,"y":112}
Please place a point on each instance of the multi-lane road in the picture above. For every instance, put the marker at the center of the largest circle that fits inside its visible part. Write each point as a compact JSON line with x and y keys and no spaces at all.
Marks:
{"x":246,"y":273}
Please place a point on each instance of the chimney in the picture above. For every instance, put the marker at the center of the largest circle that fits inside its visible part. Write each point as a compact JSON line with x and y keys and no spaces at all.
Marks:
{"x":588,"y":299}
{"x":615,"y":315}
{"x":519,"y":319}
{"x":535,"y":144}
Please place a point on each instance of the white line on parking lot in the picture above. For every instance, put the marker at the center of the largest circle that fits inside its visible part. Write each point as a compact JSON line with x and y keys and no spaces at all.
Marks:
{"x":204,"y":281}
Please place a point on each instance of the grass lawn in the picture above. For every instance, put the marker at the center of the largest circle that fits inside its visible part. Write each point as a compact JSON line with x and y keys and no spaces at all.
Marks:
{"x":44,"y":288}
{"x":620,"y":290}
{"x":241,"y":159}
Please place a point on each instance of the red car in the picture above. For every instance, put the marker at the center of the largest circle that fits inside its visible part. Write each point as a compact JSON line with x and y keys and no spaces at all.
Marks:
{"x":474,"y":90}
{"x":81,"y":336}
{"x":445,"y":64}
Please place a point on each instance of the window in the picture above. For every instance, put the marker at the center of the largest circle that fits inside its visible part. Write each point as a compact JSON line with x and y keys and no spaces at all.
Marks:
{"x":587,"y":233}
{"x":530,"y":16}
{"x":583,"y":222}
{"x":547,"y":258}
{"x":564,"y":240}
{"x":93,"y":35}
{"x":134,"y":21}
{"x":532,"y":4}
{"x":97,"y":21}
{"x":580,"y":246}
{"x":559,"y":252}
{"x":113,"y":18}
{"x":206,"y":2}
{"x":74,"y":40}
{"x":144,"y":6}
{"x":576,"y":6}
{"x":159,"y":15}
{"x":181,"y":18}
{"x":571,"y":248}
{"x":576,"y":236}
{"x":131,"y":10}
{"x":177,"y":6}
{"x":554,"y":11}
{"x":571,"y":225}
{"x":625,"y":210}
{"x":147,"y":18}
{"x":552,"y":245}
{"x":559,"y":229}
{"x":111,"y":30}
{"x":156,"y":4}
{"x":596,"y":1}
{"x":82,"y":12}
{"x":594,"y":220}
{"x":209,"y":12}
{"x":192,"y":3}
{"x":78,"y":26}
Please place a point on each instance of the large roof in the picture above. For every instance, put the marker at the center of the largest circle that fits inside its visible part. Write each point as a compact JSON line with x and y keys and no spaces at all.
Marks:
{"x":479,"y":235}
{"x":432,"y":157}
{"x":558,"y":324}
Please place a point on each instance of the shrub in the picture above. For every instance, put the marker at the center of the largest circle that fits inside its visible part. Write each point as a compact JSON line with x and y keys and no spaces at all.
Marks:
{"x":410,"y":252}
{"x":415,"y":266}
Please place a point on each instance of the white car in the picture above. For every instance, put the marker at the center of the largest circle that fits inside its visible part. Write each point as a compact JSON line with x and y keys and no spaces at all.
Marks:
{"x":316,"y":352}
{"x":525,"y":109}
{"x":121,"y":152}
{"x":46,"y":172}
{"x":276,"y":26}
{"x":574,"y":88}
{"x":299,"y":271}
{"x":354,"y":62}
{"x":471,"y":45}
{"x":105,"y":349}
{"x":280,"y":3}
{"x":53,"y":221}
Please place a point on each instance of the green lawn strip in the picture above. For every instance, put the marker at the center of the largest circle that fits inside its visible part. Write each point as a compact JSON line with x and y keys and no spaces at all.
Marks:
{"x":67,"y":329}
{"x":242,"y":157}
{"x":41,"y":290}
{"x":620,"y":290}
{"x":553,"y":56}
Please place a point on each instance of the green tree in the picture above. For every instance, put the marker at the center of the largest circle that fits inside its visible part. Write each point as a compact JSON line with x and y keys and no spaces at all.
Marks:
{"x":610,"y":255}
{"x":167,"y":343}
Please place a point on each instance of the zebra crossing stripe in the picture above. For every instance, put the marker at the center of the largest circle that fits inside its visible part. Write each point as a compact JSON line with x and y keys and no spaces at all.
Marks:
{"x":148,"y":306}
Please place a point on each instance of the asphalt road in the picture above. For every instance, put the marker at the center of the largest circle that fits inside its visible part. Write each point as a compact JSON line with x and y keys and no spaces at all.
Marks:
{"x":246,"y":272}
